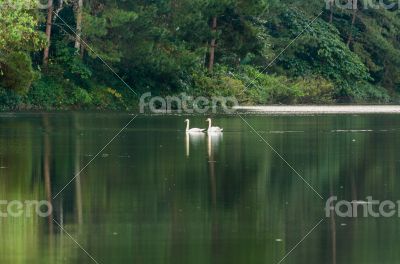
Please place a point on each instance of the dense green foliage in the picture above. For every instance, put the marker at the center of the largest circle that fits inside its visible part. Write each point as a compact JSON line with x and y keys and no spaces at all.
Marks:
{"x":267,"y":51}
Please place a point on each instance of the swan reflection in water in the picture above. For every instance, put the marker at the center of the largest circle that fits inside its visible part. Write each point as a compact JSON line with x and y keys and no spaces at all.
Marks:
{"x":213,"y":141}
{"x":194,"y":139}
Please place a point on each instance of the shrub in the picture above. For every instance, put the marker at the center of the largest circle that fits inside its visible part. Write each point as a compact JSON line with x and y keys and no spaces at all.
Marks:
{"x":364,"y":92}
{"x":272,"y":89}
{"x":9,"y":99}
{"x":46,"y":93}
{"x":220,"y":83}
{"x":107,"y":98}
{"x":16,"y":71}
{"x":314,"y":90}
{"x":80,"y":97}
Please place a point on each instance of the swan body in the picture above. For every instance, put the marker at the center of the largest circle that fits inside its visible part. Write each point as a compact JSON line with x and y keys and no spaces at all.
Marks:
{"x":192,"y":130}
{"x":212,"y":129}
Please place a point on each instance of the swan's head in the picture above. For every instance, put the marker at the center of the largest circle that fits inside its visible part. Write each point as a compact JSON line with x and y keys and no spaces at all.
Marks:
{"x":208,"y":120}
{"x":186,"y":120}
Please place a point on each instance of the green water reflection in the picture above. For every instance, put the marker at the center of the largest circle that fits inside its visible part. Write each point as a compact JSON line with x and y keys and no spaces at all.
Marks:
{"x":156,"y":195}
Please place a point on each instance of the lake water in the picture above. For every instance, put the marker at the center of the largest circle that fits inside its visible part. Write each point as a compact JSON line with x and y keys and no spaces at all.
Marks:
{"x":156,"y":195}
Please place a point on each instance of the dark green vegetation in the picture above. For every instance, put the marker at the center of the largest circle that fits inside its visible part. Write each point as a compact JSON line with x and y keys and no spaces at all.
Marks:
{"x":200,"y":47}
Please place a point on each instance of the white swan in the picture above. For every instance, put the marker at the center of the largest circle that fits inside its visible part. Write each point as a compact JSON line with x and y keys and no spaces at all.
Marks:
{"x":192,"y":130}
{"x":213,"y":129}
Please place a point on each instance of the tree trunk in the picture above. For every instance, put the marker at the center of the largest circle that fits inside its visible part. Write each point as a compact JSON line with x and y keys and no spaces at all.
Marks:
{"x":331,"y":10}
{"x":48,"y":32}
{"x":79,"y":11}
{"x":82,"y":51}
{"x":353,"y":20}
{"x":213,"y":45}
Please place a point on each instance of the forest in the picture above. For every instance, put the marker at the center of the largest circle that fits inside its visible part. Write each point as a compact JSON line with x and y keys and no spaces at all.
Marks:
{"x":103,"y":54}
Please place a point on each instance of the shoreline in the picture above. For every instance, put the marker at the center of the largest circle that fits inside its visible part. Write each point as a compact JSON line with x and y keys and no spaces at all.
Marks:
{"x":260,"y":109}
{"x":322,"y":109}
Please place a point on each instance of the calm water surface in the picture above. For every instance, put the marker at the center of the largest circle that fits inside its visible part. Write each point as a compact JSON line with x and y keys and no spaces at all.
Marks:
{"x":155,"y":195}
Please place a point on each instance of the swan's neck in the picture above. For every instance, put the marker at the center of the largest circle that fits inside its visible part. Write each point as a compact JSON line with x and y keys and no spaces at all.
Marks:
{"x":209,"y":123}
{"x":187,"y":126}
